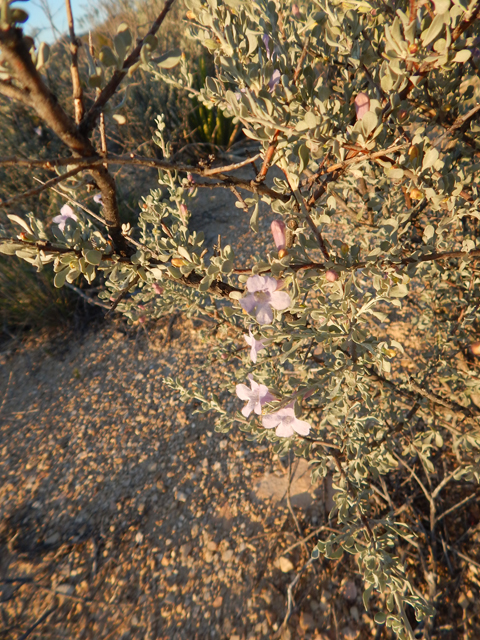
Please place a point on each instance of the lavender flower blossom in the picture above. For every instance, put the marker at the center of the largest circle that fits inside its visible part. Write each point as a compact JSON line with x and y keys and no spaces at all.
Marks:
{"x":362,"y":105}
{"x":66,"y":212}
{"x":263,"y":295}
{"x":256,"y":345}
{"x":295,"y":10}
{"x":278,"y":232}
{"x":285,"y":423}
{"x":257,"y":396}
{"x":267,"y":42}
{"x":274,"y":80}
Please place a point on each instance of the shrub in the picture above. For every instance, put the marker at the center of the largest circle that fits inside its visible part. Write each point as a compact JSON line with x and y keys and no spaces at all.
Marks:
{"x":368,"y":112}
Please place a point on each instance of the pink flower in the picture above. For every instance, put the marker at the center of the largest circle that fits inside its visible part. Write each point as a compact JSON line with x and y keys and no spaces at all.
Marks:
{"x":286,"y":423}
{"x":263,"y":295}
{"x":66,"y":212}
{"x":183,"y":212}
{"x":278,"y":232}
{"x":157,"y":288}
{"x":295,"y":10}
{"x":256,"y":345}
{"x":257,"y":396}
{"x":362,"y":105}
{"x":331,"y":275}
{"x":274,"y":80}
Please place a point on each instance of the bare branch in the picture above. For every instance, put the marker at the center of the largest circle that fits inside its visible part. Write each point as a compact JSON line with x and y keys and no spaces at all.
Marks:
{"x":47,"y":107}
{"x":45,"y":185}
{"x":14,"y":93}
{"x":76,"y":84}
{"x":109,"y":90}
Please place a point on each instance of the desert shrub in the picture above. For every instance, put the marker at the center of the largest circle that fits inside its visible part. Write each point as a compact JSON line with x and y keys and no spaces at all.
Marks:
{"x":367,"y":110}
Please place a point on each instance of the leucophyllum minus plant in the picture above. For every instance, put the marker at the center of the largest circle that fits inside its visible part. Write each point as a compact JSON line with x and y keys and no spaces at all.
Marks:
{"x":368,"y":114}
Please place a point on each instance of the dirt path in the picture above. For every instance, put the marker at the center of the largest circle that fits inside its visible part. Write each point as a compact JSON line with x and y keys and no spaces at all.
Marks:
{"x":125,"y":516}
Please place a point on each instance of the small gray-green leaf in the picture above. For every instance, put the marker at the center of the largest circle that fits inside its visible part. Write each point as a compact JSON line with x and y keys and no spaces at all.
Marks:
{"x":433,"y":30}
{"x":107,"y":57}
{"x":169,"y":59}
{"x":60,"y":278}
{"x":462,"y":56}
{"x":430,"y":158}
{"x":254,"y":220}
{"x":93,"y":257}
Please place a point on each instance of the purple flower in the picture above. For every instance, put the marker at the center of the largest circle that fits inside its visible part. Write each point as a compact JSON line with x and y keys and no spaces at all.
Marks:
{"x":98,"y":198}
{"x":66,"y":212}
{"x":256,"y":345}
{"x":257,"y":396}
{"x":263,"y":295}
{"x":278,"y":232}
{"x":157,"y":288}
{"x":362,"y":105}
{"x":286,"y":423}
{"x":295,"y":10}
{"x":267,"y":42}
{"x":274,"y":80}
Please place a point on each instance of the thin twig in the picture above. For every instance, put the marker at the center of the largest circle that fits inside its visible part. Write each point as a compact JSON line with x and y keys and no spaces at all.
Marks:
{"x":83,"y":295}
{"x":122,"y":295}
{"x":76,"y":84}
{"x":110,"y":89}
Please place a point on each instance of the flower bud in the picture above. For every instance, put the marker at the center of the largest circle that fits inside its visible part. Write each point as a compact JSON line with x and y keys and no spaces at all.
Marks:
{"x":282,"y":253}
{"x":413,"y":48}
{"x":474,"y":348}
{"x":331,"y":275}
{"x":413,"y":152}
{"x":157,"y":288}
{"x":278,"y":232}
{"x":190,"y":15}
{"x":178,"y":262}
{"x":362,"y":105}
{"x":416,"y":194}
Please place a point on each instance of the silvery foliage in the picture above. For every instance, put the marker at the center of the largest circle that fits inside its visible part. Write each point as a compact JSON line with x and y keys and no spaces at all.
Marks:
{"x":329,"y":352}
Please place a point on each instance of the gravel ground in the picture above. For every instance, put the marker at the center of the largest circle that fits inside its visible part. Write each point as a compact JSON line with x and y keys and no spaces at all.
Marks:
{"x":124,"y":515}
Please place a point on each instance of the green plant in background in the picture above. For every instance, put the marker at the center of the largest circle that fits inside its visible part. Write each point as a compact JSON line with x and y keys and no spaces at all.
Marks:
{"x":208,"y":124}
{"x":370,"y":212}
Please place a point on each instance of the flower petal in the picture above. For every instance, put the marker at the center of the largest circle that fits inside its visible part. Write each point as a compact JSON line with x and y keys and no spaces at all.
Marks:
{"x":256,"y":283}
{"x":271,"y":420}
{"x":301,"y":427}
{"x":284,"y":430}
{"x":67,"y":210}
{"x":248,"y":303}
{"x":243,"y":392}
{"x":280,"y":300}
{"x":247,"y":409}
{"x":264,"y":313}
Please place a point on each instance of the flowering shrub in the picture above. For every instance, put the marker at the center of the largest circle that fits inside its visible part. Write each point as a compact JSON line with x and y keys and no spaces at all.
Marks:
{"x":368,"y":112}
